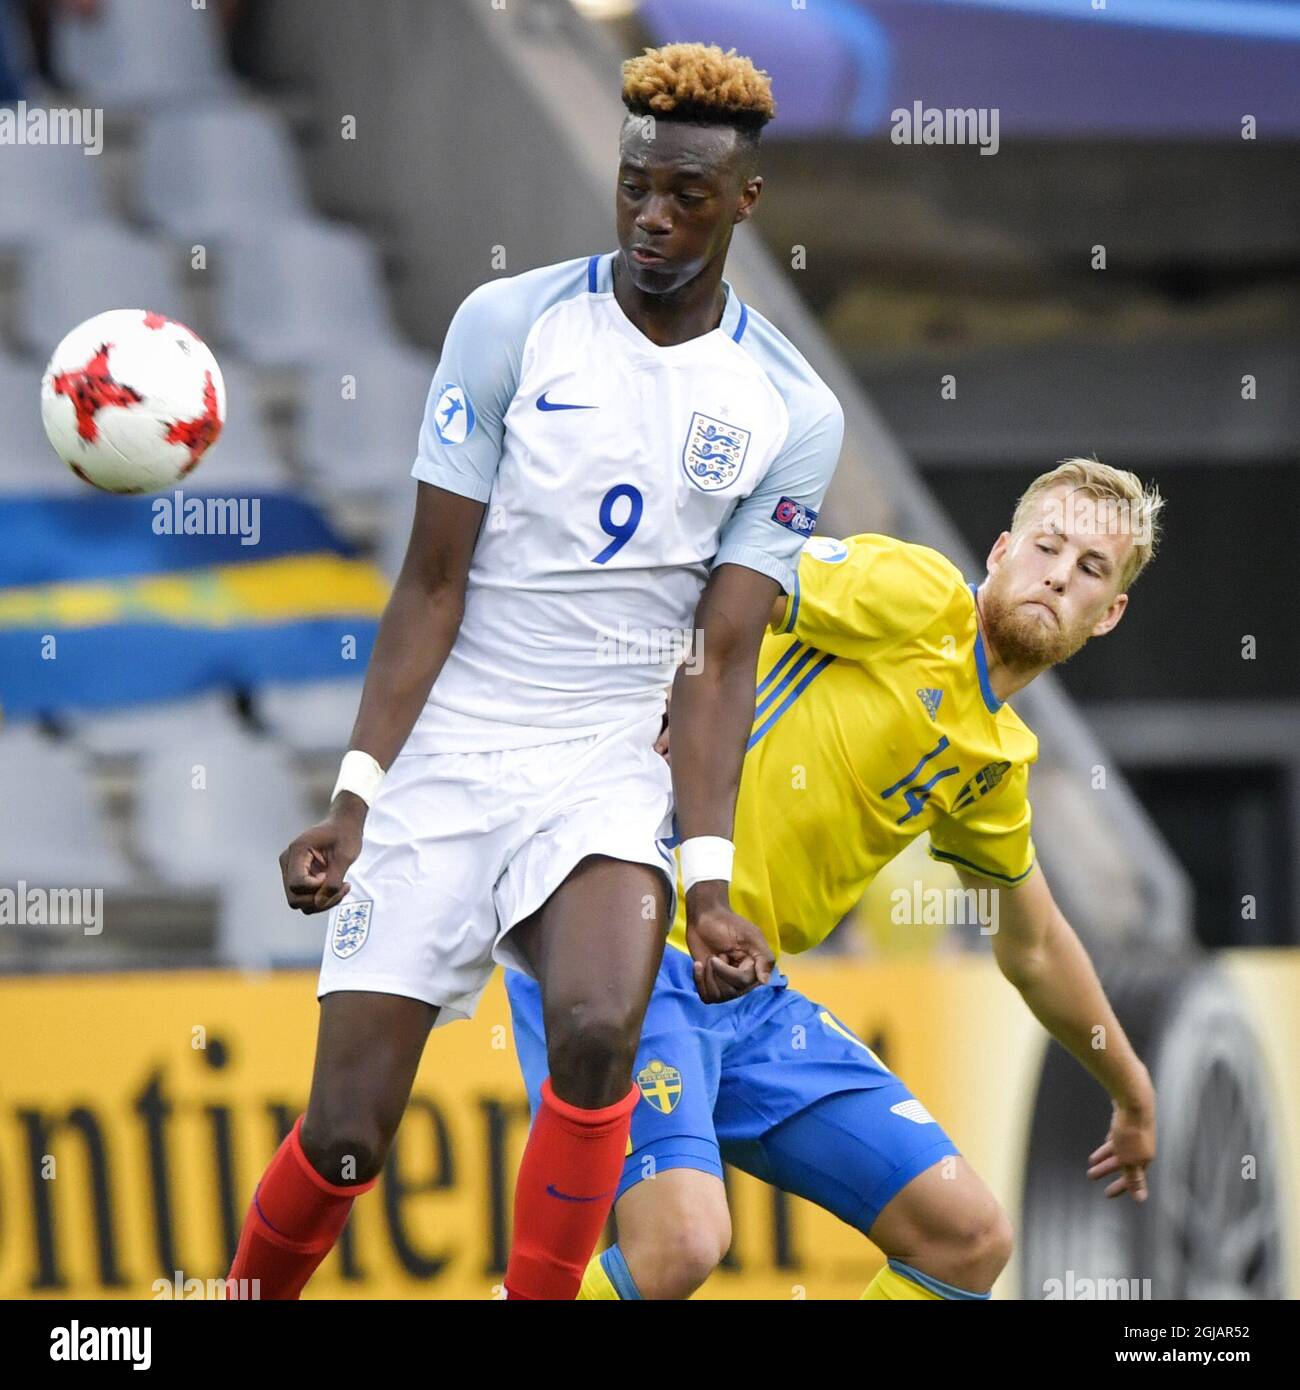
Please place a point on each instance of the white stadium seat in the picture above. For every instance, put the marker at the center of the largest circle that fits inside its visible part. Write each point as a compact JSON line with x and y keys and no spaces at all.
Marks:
{"x":399,"y":513}
{"x":137,"y":729}
{"x":27,"y":462}
{"x":77,"y":272}
{"x":300,"y":291}
{"x":244,"y":458}
{"x":44,"y":186}
{"x":212,"y":804}
{"x":216,"y":171}
{"x":363,"y":443}
{"x":52,"y":830}
{"x":256,"y":927}
{"x":142,"y":53}
{"x":312,"y":716}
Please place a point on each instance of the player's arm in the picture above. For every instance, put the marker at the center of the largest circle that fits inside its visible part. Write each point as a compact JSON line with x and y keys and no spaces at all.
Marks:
{"x":713,"y":708}
{"x":1041,"y":955}
{"x":459,"y":449}
{"x":417,"y":630}
{"x":713,"y":705}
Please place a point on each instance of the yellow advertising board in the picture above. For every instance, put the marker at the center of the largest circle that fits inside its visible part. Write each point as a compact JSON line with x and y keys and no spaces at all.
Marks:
{"x":138,"y":1110}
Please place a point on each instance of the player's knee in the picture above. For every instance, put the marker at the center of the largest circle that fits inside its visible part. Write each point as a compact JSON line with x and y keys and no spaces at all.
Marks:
{"x":674,"y":1258}
{"x":344,"y":1153}
{"x":976,"y":1249}
{"x":590,"y":1050}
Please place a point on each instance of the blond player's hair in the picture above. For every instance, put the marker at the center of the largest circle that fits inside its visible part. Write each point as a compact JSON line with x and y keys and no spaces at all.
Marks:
{"x":1141,"y":505}
{"x":698,"y":82}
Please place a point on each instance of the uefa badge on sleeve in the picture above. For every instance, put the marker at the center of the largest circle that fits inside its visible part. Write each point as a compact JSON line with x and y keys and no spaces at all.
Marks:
{"x":351,"y":927}
{"x":453,"y":415}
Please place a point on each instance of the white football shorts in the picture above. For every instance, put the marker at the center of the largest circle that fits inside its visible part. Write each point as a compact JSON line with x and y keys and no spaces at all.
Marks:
{"x":461,"y":847}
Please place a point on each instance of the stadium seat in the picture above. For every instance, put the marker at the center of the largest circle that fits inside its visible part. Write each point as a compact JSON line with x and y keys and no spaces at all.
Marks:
{"x":256,"y":927}
{"x":52,"y":830}
{"x":219,"y":170}
{"x":142,"y":53}
{"x":292,"y":295}
{"x":27,"y":463}
{"x":139,"y":729}
{"x":48,"y":186}
{"x":364,"y":444}
{"x":399,"y":512}
{"x":77,"y":272}
{"x":244,"y":458}
{"x":249,"y":806}
{"x":312,"y":716}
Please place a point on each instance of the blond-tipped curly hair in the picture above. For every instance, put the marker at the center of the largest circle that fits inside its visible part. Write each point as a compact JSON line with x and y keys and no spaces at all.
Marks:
{"x":698,"y":82}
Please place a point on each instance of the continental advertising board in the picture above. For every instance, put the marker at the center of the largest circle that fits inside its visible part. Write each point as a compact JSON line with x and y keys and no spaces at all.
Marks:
{"x":137,"y":1111}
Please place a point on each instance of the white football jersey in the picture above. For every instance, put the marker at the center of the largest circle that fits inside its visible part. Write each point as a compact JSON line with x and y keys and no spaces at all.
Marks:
{"x":616,"y":473}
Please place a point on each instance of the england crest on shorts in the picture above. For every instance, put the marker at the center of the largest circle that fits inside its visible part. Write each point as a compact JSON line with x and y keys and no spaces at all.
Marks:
{"x":714,"y":453}
{"x":351,"y":927}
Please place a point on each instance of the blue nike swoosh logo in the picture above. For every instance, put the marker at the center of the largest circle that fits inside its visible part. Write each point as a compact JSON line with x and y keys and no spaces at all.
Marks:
{"x":544,"y":404}
{"x":553,"y":1191}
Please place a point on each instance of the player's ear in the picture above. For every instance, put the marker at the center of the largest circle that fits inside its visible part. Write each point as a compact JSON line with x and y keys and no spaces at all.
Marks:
{"x":999,"y":551}
{"x":749,"y":192}
{"x":1109,"y":620}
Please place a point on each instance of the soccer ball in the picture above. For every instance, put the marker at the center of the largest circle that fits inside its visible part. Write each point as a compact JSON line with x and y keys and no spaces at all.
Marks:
{"x":132,"y":400}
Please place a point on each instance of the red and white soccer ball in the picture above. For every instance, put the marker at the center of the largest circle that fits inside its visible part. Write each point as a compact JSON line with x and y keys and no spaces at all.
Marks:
{"x":132,"y":400}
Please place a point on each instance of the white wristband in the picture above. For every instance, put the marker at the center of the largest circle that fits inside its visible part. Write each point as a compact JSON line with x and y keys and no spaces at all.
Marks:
{"x":705,"y":857}
{"x":359,"y":774}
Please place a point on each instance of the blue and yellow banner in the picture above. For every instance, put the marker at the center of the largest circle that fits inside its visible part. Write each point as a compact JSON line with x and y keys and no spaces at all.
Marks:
{"x":108,"y":601}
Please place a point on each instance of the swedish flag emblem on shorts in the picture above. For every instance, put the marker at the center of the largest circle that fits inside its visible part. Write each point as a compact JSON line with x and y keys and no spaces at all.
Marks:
{"x":661,"y":1085}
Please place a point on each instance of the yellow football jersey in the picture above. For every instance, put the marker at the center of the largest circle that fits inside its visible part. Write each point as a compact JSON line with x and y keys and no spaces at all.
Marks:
{"x":874,"y":722}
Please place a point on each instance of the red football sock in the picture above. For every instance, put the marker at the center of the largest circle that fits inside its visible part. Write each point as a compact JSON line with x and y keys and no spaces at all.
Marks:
{"x":567,"y":1180}
{"x":292,"y":1223}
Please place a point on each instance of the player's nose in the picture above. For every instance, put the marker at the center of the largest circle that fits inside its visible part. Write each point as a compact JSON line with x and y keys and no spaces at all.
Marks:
{"x":654,"y":216}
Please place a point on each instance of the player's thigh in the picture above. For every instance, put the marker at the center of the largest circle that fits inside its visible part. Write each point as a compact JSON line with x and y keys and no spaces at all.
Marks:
{"x":850,"y":1153}
{"x":807,"y":1106}
{"x":584,"y":903}
{"x":595,"y":945}
{"x":949,"y":1203}
{"x":419,"y":921}
{"x":368,"y":1048}
{"x":677,"y":1066}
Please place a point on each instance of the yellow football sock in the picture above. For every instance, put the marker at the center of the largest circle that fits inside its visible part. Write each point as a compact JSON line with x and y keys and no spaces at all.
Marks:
{"x":889,"y":1284}
{"x":596,"y":1284}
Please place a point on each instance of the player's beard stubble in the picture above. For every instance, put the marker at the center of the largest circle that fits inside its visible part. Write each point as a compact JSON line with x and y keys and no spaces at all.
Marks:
{"x":1024,"y":637}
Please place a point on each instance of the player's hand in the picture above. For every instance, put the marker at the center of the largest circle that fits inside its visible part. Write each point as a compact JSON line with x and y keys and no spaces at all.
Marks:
{"x":1130,"y":1146}
{"x":314,"y":864}
{"x":731,"y":955}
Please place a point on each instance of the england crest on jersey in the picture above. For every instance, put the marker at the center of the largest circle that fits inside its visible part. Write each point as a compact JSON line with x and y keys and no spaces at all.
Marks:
{"x":714,"y":453}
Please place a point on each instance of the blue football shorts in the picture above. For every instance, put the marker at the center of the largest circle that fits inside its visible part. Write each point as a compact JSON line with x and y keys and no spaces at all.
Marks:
{"x":771,"y":1082}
